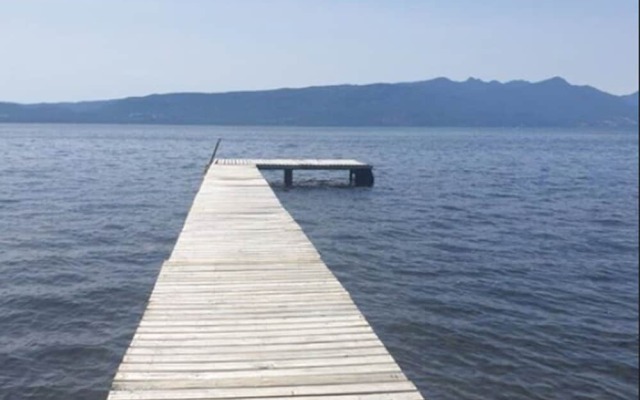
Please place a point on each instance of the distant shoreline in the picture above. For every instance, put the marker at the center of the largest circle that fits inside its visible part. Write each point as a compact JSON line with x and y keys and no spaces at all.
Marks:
{"x":434,"y":103}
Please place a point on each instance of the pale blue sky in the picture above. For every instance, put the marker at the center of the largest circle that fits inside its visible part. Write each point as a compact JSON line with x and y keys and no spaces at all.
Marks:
{"x":67,"y":50}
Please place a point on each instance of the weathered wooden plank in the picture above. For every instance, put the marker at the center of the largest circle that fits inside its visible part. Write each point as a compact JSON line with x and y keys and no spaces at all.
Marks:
{"x":270,"y":321}
{"x":199,"y":394}
{"x":224,"y":298}
{"x":239,"y":329}
{"x":255,"y":365}
{"x":153,"y":381}
{"x":236,"y":279}
{"x":283,"y":348}
{"x":257,"y":357}
{"x":245,"y":301}
{"x":206,"y":309}
{"x":214,"y":315}
{"x":239,"y":274}
{"x":263,"y":374}
{"x":234,"y":314}
{"x":249,"y":285}
{"x":253,"y":341}
{"x":209,"y":292}
{"x":251,"y":334}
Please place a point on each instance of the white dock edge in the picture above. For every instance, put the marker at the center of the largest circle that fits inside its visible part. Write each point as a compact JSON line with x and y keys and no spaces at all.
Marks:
{"x":246,"y":309}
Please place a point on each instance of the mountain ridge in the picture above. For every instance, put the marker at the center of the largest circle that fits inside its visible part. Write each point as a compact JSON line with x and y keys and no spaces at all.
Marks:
{"x":435,"y":102}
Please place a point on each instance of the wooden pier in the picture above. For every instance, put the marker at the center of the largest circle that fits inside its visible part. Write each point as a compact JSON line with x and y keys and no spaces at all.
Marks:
{"x":360,"y":174}
{"x":245,"y":309}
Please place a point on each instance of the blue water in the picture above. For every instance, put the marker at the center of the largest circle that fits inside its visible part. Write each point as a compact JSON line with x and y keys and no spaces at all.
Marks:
{"x":493,"y":263}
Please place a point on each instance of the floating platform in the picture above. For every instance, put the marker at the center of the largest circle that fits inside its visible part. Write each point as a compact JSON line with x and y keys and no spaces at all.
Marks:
{"x":360,"y":174}
{"x":245,"y":308}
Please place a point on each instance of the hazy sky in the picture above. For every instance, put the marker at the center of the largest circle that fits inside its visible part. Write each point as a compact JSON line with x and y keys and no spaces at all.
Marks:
{"x":55,"y":50}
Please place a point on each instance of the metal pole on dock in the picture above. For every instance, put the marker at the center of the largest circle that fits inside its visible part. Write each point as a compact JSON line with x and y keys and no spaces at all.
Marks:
{"x":213,"y":156}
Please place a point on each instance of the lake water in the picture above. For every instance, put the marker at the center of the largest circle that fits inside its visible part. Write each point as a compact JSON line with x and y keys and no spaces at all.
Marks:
{"x":493,"y":263}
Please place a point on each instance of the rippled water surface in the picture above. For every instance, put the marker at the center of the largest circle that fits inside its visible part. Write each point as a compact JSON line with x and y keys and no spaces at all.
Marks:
{"x":494,"y":264}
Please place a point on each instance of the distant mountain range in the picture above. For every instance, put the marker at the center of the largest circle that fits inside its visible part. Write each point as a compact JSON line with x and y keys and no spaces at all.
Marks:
{"x":437,"y":102}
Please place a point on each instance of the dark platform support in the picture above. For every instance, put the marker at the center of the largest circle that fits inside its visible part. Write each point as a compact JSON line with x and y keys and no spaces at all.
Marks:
{"x":288,"y":177}
{"x":363,"y":177}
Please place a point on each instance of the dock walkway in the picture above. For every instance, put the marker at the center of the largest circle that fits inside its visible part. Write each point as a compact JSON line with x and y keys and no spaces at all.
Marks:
{"x":246,"y":309}
{"x":360,"y":173}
